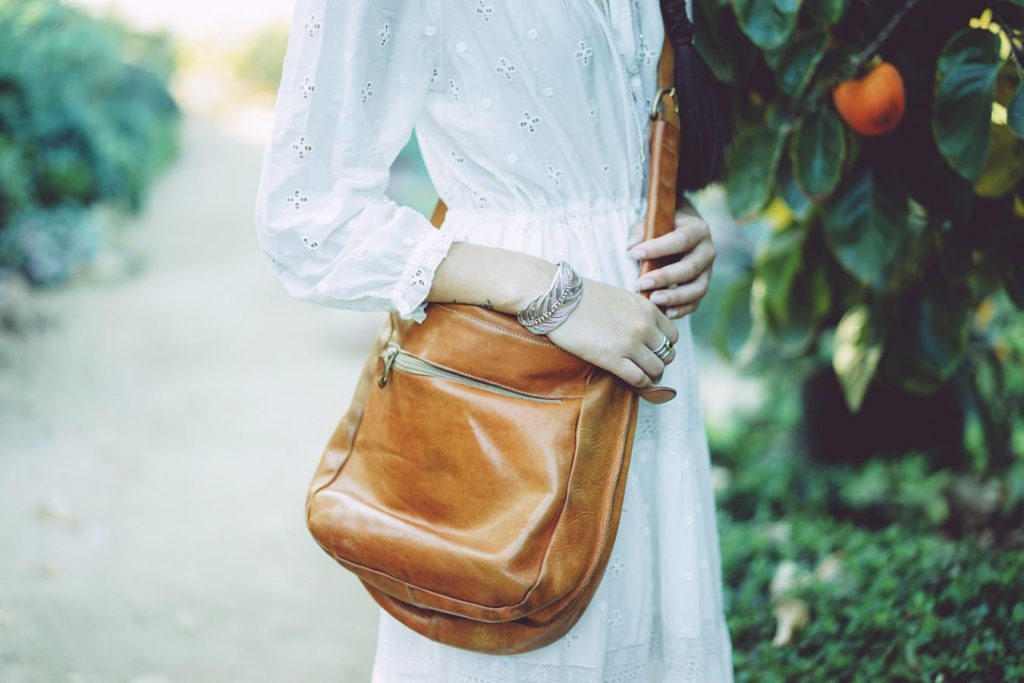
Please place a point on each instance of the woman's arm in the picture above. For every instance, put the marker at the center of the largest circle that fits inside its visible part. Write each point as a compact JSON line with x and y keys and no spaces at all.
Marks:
{"x":356,"y":75}
{"x":492,"y":277}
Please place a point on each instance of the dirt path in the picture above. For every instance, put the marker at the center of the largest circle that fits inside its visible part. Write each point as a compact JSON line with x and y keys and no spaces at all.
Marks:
{"x":156,"y":444}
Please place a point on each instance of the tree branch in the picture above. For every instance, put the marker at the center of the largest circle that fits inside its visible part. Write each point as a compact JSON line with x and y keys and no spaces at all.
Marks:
{"x":857,"y":60}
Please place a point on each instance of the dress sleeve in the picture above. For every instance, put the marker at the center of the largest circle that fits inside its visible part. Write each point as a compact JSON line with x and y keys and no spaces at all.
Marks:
{"x":354,"y":79}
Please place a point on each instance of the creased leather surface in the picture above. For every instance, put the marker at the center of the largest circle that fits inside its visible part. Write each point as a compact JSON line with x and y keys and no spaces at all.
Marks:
{"x":450,"y":498}
{"x":533,"y":631}
{"x":481,"y":520}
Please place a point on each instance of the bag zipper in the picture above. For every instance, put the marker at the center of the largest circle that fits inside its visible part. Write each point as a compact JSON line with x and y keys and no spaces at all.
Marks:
{"x":397,"y":358}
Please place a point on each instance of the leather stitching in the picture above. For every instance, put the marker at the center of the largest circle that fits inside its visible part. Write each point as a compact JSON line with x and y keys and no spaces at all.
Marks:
{"x":491,"y":381}
{"x":534,"y":339}
{"x":455,"y":381}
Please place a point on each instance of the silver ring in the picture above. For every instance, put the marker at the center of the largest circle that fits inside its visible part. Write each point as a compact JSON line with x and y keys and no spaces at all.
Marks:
{"x":665,"y":348}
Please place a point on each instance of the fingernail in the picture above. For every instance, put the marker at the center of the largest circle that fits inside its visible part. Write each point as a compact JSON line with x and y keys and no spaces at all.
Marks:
{"x":644,"y":283}
{"x":659,"y":297}
{"x":636,"y":253}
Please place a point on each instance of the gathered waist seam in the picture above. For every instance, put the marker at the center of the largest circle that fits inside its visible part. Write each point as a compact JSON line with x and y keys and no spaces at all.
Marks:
{"x":573,"y":214}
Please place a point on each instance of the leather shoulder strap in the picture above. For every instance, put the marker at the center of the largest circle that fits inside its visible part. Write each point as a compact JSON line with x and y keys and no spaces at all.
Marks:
{"x":666,"y":64}
{"x":438,"y":216}
{"x":664,"y":165}
{"x":666,"y":79}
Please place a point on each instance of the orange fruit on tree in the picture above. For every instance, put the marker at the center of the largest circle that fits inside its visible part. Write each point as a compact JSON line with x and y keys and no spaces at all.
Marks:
{"x":872,"y":104}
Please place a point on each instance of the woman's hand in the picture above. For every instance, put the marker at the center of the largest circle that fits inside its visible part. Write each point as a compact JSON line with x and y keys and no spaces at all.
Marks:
{"x":612,"y":327}
{"x":617,"y":330}
{"x":679,"y":286}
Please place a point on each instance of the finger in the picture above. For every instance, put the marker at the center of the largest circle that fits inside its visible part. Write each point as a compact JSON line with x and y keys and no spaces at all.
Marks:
{"x":669,"y":357}
{"x":689,"y":232}
{"x":679,"y":312}
{"x":636,"y":233}
{"x":664,"y":326}
{"x":646,"y":360}
{"x":680,"y":295}
{"x":686,"y":269}
{"x":632,"y":374}
{"x":669,"y":243}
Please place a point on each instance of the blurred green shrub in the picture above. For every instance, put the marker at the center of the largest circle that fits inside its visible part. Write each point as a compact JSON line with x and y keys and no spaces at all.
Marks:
{"x":893,"y":231}
{"x":771,"y":476}
{"x":889,"y":606}
{"x":903,"y":571}
{"x":85,"y":117}
{"x":46,"y":245}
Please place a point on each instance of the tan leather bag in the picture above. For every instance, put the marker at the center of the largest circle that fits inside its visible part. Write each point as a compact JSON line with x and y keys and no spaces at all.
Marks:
{"x":475,"y":483}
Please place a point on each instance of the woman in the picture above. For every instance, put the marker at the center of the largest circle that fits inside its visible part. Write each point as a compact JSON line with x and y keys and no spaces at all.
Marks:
{"x":531,"y":119}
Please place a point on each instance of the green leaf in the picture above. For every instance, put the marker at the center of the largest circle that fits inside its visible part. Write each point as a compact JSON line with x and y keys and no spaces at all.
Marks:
{"x":1004,"y":167}
{"x":857,"y":348}
{"x":778,"y":261}
{"x":733,"y":323}
{"x":817,"y":151}
{"x":768,"y":23}
{"x":809,"y":300}
{"x":753,"y":157}
{"x":797,"y":61}
{"x":791,"y":271}
{"x":1007,"y":83}
{"x":827,"y":12}
{"x":964,"y":92}
{"x":866,"y":225}
{"x":1008,"y":247}
{"x":931,"y":339}
{"x":787,"y":188}
{"x":722,"y":44}
{"x":1015,"y":113}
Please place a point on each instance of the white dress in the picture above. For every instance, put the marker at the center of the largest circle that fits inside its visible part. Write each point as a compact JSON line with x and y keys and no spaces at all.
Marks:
{"x":530,"y":115}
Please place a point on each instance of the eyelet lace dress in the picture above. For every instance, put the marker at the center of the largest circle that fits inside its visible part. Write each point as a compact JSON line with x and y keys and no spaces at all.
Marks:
{"x":531,"y":119}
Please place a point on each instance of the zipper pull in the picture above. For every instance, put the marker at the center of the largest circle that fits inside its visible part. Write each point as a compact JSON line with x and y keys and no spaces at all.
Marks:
{"x":388,"y":355}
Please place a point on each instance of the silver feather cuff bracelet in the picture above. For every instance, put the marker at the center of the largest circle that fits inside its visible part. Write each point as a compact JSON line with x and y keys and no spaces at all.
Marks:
{"x":549,"y":309}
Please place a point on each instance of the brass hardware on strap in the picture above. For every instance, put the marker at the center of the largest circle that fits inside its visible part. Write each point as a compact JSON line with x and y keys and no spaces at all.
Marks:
{"x":656,"y":103}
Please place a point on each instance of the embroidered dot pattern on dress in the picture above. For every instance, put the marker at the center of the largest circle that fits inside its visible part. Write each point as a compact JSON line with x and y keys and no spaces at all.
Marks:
{"x":505,"y":68}
{"x":529,"y":122}
{"x":584,"y":52}
{"x":301,"y":147}
{"x":313,"y":26}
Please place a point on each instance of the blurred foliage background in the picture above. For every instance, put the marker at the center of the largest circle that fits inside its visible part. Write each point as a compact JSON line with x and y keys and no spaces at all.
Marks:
{"x":874,"y":503}
{"x":870,"y":278}
{"x":85,"y":118}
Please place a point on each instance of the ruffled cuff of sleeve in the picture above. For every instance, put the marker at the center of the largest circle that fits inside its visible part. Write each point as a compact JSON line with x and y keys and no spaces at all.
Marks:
{"x":410,"y":291}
